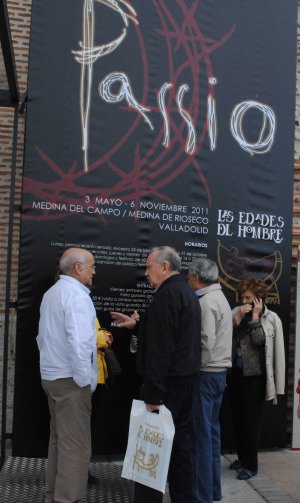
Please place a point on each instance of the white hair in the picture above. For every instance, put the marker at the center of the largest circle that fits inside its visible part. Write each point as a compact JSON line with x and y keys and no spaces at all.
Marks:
{"x":70,"y":257}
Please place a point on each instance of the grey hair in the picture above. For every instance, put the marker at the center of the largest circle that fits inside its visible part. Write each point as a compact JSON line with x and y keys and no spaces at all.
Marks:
{"x":170,"y":255}
{"x":206,"y":270}
{"x":71,"y":257}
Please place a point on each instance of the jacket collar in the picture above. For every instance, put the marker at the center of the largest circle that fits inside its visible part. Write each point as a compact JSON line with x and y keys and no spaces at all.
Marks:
{"x":207,"y":289}
{"x":171,"y":279}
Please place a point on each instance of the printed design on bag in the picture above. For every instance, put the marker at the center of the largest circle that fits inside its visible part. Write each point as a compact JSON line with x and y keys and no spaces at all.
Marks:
{"x":150,"y":435}
{"x":140,"y":458}
{"x":143,"y":462}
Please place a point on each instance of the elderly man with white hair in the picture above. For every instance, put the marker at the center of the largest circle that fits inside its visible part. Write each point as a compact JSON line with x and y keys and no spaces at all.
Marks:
{"x":168,"y":359}
{"x":68,"y":365}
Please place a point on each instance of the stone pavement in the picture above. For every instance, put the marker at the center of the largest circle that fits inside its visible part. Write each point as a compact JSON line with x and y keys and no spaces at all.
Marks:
{"x":22,"y":480}
{"x":278,"y":478}
{"x":277,"y":481}
{"x":234,"y":491}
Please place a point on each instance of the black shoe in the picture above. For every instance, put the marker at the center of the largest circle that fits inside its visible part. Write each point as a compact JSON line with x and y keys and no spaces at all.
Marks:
{"x":236,"y":465}
{"x":246,"y":474}
{"x":92,"y":481}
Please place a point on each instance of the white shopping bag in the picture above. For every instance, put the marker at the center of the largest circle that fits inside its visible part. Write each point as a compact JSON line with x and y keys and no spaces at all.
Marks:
{"x":149,"y":446}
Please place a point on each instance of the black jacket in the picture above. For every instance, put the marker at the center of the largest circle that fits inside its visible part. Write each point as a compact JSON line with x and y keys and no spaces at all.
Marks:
{"x":169,"y":338}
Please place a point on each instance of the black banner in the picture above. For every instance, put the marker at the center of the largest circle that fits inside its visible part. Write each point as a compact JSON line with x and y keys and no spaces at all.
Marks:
{"x":148,"y":123}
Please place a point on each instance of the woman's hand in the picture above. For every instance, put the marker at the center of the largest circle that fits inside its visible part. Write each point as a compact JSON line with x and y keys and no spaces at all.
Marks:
{"x":123,"y":320}
{"x":298,"y":410}
{"x":244,"y":309}
{"x":257,"y":308}
{"x":108,"y":337}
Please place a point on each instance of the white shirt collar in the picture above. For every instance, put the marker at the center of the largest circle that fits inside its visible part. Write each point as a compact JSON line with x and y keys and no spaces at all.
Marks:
{"x":65,"y":277}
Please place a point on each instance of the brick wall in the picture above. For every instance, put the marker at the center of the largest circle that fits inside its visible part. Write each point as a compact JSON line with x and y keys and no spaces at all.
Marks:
{"x":296,"y":235}
{"x":19,"y":15}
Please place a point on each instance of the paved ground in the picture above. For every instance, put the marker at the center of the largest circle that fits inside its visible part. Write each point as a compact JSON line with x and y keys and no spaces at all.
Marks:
{"x":234,"y":491}
{"x":281,"y":469}
{"x":22,"y":480}
{"x":278,"y":479}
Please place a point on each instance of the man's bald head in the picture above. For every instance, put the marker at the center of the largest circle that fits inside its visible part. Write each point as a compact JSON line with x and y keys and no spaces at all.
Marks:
{"x":78,"y":263}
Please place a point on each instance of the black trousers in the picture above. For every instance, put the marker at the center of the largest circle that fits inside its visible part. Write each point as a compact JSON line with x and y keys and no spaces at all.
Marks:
{"x":247,"y":395}
{"x":178,"y":399}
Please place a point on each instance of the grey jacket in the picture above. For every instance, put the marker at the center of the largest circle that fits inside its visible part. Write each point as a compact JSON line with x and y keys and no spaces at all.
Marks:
{"x":274,"y":353}
{"x":216,"y":329}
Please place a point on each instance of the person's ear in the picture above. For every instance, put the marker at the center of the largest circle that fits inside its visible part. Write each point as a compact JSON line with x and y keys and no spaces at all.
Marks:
{"x":165,"y":266}
{"x":77,"y":268}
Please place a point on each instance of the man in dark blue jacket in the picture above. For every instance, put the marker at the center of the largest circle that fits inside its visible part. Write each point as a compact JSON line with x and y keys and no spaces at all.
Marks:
{"x":169,"y":359}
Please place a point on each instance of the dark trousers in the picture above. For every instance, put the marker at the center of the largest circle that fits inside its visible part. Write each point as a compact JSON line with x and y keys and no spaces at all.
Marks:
{"x":178,"y":399}
{"x":247,"y":395}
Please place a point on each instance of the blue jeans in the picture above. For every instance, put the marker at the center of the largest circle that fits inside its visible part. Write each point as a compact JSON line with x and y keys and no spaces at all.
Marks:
{"x":206,"y":408}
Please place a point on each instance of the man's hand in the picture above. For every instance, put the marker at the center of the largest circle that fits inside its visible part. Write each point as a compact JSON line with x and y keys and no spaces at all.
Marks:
{"x":135,"y":315}
{"x":151,"y":408}
{"x":123,"y":320}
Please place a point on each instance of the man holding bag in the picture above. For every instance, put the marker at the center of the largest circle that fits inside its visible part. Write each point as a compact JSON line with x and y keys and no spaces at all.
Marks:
{"x":169,"y":359}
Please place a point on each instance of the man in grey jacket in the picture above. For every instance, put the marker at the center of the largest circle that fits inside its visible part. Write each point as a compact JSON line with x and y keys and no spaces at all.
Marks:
{"x":216,"y":340}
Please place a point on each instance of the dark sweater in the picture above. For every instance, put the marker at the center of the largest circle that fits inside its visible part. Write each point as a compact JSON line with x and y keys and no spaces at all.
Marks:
{"x":169,"y":338}
{"x":248,"y":346}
